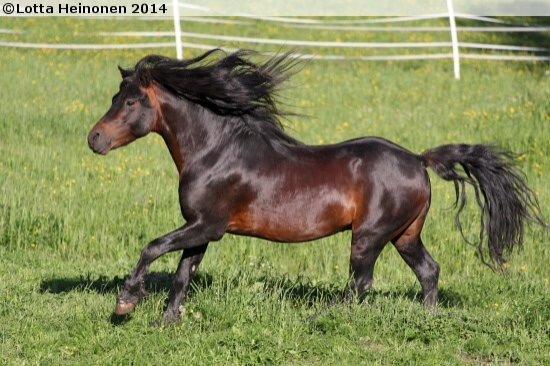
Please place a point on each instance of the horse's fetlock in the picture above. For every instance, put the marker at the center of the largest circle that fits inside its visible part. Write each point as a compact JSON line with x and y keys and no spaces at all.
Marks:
{"x":134,"y":291}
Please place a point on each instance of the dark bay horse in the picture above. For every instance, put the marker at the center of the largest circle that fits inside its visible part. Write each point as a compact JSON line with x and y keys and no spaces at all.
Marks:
{"x":241,"y":174}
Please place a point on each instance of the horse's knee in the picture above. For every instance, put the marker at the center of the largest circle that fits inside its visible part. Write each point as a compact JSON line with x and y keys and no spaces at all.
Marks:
{"x":152,"y":251}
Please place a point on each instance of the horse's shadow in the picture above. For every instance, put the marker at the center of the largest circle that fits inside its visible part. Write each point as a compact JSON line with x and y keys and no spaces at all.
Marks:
{"x":155,"y":282}
{"x":298,"y":292}
{"x":309,"y":294}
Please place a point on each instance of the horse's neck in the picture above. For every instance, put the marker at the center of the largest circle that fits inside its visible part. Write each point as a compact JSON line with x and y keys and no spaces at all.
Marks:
{"x":185,"y":131}
{"x":191,"y":131}
{"x":175,"y":149}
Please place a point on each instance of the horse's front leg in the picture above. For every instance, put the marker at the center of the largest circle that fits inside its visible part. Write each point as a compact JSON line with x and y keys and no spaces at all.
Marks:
{"x":191,"y":235}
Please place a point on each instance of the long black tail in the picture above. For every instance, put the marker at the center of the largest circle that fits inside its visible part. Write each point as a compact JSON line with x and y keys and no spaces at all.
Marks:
{"x":501,"y":192}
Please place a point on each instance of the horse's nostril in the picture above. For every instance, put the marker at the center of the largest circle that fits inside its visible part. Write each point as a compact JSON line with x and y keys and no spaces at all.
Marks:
{"x":93,"y":139}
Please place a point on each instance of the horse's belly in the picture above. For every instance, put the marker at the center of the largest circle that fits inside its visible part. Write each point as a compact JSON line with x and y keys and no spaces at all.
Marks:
{"x":293,"y":222}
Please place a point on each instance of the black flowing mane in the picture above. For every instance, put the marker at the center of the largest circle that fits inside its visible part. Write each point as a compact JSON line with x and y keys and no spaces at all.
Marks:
{"x":230,"y":85}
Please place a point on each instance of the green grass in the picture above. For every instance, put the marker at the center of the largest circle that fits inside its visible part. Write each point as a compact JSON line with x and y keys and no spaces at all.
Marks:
{"x":72,"y":224}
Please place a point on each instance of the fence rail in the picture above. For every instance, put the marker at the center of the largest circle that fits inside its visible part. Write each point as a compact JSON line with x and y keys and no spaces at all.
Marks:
{"x":329,"y":44}
{"x":361,"y":25}
{"x":152,"y":45}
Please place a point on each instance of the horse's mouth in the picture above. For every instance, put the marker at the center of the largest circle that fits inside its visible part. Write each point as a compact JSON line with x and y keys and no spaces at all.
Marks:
{"x":102,"y":150}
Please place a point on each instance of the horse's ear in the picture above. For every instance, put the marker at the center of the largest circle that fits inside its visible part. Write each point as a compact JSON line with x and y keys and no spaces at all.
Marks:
{"x":124,"y":72}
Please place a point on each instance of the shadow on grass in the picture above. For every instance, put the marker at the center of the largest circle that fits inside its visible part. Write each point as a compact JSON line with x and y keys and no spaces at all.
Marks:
{"x":285,"y":288}
{"x":310,"y":294}
{"x":154,"y":282}
{"x":447,"y":298}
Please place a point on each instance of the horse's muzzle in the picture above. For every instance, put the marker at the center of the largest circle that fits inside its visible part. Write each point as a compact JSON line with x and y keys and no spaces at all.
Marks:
{"x":98,"y":142}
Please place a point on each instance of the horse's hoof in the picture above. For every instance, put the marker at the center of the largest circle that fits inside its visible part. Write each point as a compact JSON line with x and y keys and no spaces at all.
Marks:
{"x":123,"y":307}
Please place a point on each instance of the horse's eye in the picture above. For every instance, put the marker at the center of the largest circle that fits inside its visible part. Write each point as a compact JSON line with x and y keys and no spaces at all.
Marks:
{"x":130,"y":103}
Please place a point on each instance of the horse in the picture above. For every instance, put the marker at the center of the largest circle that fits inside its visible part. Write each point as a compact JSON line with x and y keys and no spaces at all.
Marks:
{"x":241,"y":173}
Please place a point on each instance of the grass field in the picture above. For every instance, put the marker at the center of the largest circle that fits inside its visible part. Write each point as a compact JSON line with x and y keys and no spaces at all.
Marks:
{"x":72,"y":224}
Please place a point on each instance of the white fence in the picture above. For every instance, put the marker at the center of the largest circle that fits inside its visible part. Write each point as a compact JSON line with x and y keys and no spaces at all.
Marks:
{"x":452,"y":49}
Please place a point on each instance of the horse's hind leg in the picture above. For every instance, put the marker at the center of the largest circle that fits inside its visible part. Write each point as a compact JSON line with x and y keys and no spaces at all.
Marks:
{"x":365,"y":249}
{"x":410,"y":247}
{"x":187,"y":268}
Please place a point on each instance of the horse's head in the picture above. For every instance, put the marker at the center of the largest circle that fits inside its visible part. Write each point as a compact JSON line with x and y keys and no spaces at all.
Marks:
{"x":133,"y":114}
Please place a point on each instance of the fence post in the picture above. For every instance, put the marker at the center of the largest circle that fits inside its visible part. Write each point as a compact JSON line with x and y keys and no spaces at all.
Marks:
{"x":454,"y":39}
{"x":177,"y":28}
